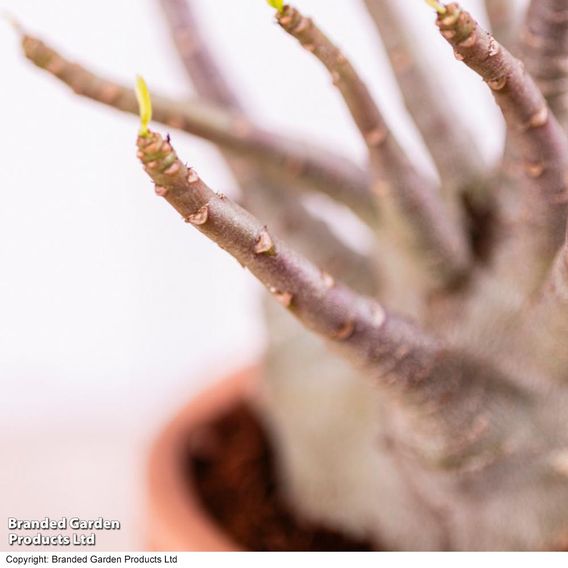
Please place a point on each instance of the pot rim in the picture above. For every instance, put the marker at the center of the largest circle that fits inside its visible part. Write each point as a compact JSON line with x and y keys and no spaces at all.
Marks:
{"x":177,"y":520}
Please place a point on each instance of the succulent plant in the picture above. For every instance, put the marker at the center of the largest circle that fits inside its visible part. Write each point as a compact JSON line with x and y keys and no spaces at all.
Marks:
{"x":422,"y":399}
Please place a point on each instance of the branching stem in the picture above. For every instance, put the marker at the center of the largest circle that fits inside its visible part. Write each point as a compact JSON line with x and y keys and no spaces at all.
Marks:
{"x":282,"y":159}
{"x":322,"y":304}
{"x":446,"y":391}
{"x":262,"y":194}
{"x":532,"y":128}
{"x":455,"y":154}
{"x":416,"y":213}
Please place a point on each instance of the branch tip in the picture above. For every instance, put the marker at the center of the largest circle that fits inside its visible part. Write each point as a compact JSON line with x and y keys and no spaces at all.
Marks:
{"x":144,"y":105}
{"x":11,"y":19}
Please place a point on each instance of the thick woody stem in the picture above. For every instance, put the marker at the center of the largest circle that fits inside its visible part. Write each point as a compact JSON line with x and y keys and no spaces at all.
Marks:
{"x":416,"y":368}
{"x":455,"y":154}
{"x":312,"y":236}
{"x":545,"y":51}
{"x":282,"y":159}
{"x":321,"y":303}
{"x":416,"y":205}
{"x":533,"y":129}
{"x":503,"y":22}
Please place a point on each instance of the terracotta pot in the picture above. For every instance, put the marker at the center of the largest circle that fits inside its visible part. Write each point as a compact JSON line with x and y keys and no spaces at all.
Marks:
{"x":177,"y":521}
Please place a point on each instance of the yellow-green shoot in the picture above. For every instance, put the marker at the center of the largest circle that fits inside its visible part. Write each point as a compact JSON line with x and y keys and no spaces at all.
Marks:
{"x":144,"y":105}
{"x":438,"y":6}
{"x":276,"y":4}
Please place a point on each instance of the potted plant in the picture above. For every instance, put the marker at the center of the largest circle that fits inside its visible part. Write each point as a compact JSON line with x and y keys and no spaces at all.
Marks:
{"x":415,"y":398}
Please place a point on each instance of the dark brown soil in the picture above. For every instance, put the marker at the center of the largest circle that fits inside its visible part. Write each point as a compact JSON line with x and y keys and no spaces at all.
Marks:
{"x":231,"y":463}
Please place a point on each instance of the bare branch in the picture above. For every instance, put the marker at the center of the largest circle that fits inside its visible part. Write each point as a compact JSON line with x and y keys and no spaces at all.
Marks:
{"x":286,"y":212}
{"x":199,"y":63}
{"x":532,"y":128}
{"x":414,"y":206}
{"x":283,"y":159}
{"x":323,"y":305}
{"x":545,"y":50}
{"x":440,"y":386}
{"x":455,"y":154}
